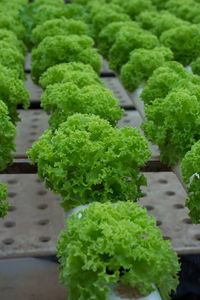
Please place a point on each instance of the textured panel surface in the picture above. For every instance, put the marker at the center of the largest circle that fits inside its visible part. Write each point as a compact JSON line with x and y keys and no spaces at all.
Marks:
{"x":34,"y":220}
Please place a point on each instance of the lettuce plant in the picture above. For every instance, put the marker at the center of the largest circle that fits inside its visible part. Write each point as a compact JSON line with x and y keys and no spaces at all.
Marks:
{"x":10,"y":57}
{"x":141,"y":65}
{"x":60,"y":26}
{"x":59,"y":49}
{"x":12,"y":92}
{"x":4,"y":204}
{"x":188,"y":10}
{"x":184,"y":41}
{"x":64,"y":99}
{"x":106,"y":16}
{"x":77,"y":73}
{"x":164,"y":79}
{"x":9,"y":37}
{"x":190,"y":168}
{"x":7,"y":136}
{"x":129,"y":39}
{"x":57,"y":3}
{"x":173,"y":123}
{"x":158,"y":22}
{"x":87,"y":159}
{"x":135,"y":7}
{"x":195,"y":65}
{"x":108,"y":35}
{"x":106,"y":244}
{"x":11,"y":23}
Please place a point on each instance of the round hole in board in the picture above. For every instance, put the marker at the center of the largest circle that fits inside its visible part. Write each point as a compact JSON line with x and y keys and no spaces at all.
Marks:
{"x":158,"y":223}
{"x":11,"y":195}
{"x":9,"y":224}
{"x":170,"y":193}
{"x":38,"y":180}
{"x":197,"y":237}
{"x":31,"y":141}
{"x":163,"y":181}
{"x":42,"y":192}
{"x":44,"y":239}
{"x":166,"y":238}
{"x":33,"y":133}
{"x":187,"y":221}
{"x":144,"y":194}
{"x":126,"y":121}
{"x":35,"y":119}
{"x":179,"y":206}
{"x":36,"y":113}
{"x":8,"y":241}
{"x":11,"y":208}
{"x":43,"y":222}
{"x":12,"y":181}
{"x":149,"y":207}
{"x":34,"y":126}
{"x":42,"y":206}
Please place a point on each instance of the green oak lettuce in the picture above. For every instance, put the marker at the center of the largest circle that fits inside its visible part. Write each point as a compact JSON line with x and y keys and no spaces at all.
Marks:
{"x":12,"y":92}
{"x":7,"y":136}
{"x":141,"y":65}
{"x":77,"y":73}
{"x":173,"y":123}
{"x":165,"y":78}
{"x":87,"y":159}
{"x":129,"y":39}
{"x":60,"y":49}
{"x":190,"y":168}
{"x":60,"y":26}
{"x":4,"y":204}
{"x":62,"y":100}
{"x":106,"y":244}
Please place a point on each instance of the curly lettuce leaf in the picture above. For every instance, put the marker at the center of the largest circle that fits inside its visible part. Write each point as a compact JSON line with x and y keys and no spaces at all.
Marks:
{"x":87,"y":159}
{"x":12,"y":92}
{"x":60,"y":26}
{"x":64,"y":99}
{"x":141,"y":65}
{"x":109,"y":243}
{"x":60,"y":49}
{"x":4,"y":204}
{"x":7,"y":136}
{"x":129,"y":39}
{"x":173,"y":123}
{"x":77,"y":73}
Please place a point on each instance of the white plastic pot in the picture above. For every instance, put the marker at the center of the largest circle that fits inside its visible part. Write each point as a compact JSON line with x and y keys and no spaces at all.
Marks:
{"x":114,"y":295}
{"x":75,"y":210}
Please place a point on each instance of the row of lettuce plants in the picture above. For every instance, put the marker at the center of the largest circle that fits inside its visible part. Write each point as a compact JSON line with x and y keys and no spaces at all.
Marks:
{"x":157,"y":47}
{"x":12,"y":88}
{"x":86,"y":159}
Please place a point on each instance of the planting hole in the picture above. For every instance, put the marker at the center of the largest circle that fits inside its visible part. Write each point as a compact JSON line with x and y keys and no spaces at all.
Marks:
{"x":158,"y":223}
{"x":197,"y":237}
{"x":42,"y":206}
{"x":179,"y":206}
{"x":43,"y":222}
{"x":12,"y":181}
{"x":170,"y":193}
{"x":163,"y":181}
{"x":149,"y":207}
{"x":8,"y":241}
{"x":34,"y":126}
{"x":35,"y":119}
{"x":187,"y":221}
{"x":166,"y":238}
{"x":36,"y":113}
{"x":44,"y":239}
{"x":31,"y":141}
{"x":126,"y":121}
{"x":9,"y":224}
{"x":11,"y":195}
{"x":42,"y":192}
{"x":33,"y":133}
{"x":11,"y":208}
{"x":38,"y":180}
